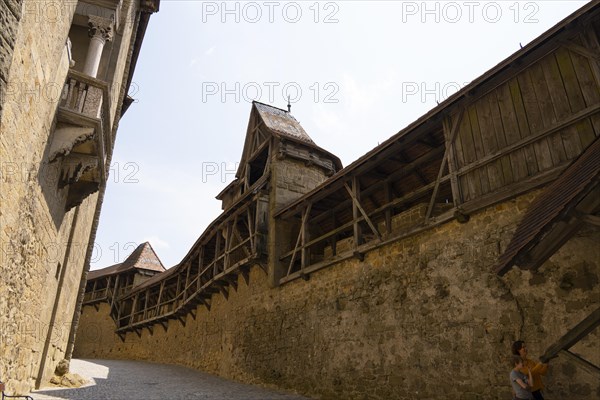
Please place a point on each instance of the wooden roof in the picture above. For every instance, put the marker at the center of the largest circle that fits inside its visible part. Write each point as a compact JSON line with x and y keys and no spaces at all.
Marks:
{"x":143,"y":257}
{"x":421,"y":130}
{"x":553,"y":206}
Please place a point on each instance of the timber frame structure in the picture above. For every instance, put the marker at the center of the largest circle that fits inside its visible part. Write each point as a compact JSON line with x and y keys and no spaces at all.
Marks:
{"x":517,"y":128}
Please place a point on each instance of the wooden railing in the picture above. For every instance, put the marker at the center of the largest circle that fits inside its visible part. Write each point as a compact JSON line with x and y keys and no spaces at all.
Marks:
{"x":227,"y":249}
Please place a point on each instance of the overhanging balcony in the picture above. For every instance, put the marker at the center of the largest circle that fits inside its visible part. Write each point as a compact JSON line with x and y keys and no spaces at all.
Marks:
{"x":82,"y":136}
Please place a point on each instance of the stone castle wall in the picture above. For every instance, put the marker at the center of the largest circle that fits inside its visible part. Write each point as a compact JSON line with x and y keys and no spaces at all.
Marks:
{"x":43,"y":249}
{"x":423,"y":317}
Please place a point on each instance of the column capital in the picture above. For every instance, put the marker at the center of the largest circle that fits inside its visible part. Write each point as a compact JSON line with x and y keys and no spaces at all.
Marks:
{"x":100,"y":28}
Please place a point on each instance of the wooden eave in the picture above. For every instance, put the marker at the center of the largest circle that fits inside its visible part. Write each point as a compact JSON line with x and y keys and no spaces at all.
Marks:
{"x":556,"y":214}
{"x":420,"y":130}
{"x":206,"y":237}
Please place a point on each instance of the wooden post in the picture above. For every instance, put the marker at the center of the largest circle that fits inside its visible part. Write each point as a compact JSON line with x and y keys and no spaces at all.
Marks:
{"x":200,"y":266}
{"x":217,"y":251}
{"x":357,"y":207}
{"x":388,"y":211}
{"x":134,"y":305}
{"x":305,"y":254}
{"x":450,"y":131}
{"x":160,"y":293}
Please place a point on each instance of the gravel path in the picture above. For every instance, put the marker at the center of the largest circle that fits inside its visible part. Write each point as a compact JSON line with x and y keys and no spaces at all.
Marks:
{"x":125,"y":380}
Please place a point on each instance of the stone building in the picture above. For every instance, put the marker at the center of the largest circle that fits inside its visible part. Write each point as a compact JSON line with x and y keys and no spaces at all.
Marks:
{"x":409,"y":273}
{"x":64,"y":72}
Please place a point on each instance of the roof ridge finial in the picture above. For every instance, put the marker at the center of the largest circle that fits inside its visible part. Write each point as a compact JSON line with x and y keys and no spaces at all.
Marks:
{"x":289,"y":105}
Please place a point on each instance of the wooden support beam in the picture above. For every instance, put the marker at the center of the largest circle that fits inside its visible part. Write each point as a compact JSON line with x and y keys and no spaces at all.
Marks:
{"x":245,"y":272}
{"x":160,"y":295}
{"x":164,"y":324}
{"x":227,"y":246}
{"x":251,"y":231}
{"x":299,"y":238}
{"x":450,"y":134}
{"x":400,"y":173}
{"x":590,"y":219}
{"x":200,"y":265}
{"x":305,"y":252}
{"x":187,"y":279}
{"x":387,"y":192}
{"x":231,"y":281}
{"x":224,"y":292}
{"x":238,"y":237}
{"x":355,"y":194}
{"x":115,"y":292}
{"x":147,"y":298}
{"x":394,"y":203}
{"x":573,"y":119}
{"x":580,"y":362}
{"x":590,"y":39}
{"x":451,"y":137}
{"x":134,"y":305}
{"x":581,"y":50}
{"x":219,"y":237}
{"x":573,"y":336}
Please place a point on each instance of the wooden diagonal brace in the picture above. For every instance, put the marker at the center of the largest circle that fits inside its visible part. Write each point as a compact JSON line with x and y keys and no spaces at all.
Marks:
{"x":451,"y":137}
{"x":580,"y":331}
{"x":362,"y":211}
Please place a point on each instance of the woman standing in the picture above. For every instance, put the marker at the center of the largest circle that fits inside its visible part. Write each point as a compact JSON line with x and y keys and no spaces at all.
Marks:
{"x":537,"y":369}
{"x":521,"y":383}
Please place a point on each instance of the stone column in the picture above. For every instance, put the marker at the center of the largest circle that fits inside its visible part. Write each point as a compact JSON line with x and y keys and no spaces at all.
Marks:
{"x":101,"y":30}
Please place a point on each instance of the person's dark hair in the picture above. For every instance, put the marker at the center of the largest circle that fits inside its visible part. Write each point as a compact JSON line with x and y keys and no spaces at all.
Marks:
{"x":516,"y":360}
{"x":516,"y":346}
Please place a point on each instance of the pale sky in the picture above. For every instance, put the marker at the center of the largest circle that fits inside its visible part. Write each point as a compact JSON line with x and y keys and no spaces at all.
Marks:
{"x":357,"y":72}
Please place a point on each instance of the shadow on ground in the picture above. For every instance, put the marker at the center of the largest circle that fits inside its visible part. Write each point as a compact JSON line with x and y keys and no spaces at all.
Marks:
{"x":126,"y":380}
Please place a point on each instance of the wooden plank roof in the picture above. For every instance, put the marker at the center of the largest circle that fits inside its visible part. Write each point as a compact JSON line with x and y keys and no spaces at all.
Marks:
{"x":432,"y":120}
{"x":553,"y":204}
{"x":143,"y":257}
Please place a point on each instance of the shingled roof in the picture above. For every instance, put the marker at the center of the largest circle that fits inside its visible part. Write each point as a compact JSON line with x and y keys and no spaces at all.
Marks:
{"x":553,"y":205}
{"x":282,"y":122}
{"x":143,"y":257}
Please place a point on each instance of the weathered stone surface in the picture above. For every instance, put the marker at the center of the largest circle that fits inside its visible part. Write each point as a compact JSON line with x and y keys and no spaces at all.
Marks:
{"x":423,"y":317}
{"x":42,"y":248}
{"x":62,"y":368}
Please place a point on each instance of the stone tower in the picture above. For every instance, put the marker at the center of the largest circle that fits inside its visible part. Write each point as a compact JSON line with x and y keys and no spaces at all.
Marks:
{"x":64,"y":72}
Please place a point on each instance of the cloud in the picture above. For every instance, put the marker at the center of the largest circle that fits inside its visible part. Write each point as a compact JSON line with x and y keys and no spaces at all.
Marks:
{"x":210,"y":51}
{"x":156,"y":242}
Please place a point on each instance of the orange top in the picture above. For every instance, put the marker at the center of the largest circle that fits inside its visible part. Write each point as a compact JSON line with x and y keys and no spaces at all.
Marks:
{"x":537,"y":370}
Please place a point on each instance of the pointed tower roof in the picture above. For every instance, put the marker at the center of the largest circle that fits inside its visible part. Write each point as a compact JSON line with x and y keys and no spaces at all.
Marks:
{"x":282,"y":122}
{"x":143,"y":257}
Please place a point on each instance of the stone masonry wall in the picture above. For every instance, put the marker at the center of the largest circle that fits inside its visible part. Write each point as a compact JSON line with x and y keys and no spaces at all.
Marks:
{"x":32,"y":244}
{"x":41,"y":246}
{"x":10,"y":15}
{"x":419,"y":318}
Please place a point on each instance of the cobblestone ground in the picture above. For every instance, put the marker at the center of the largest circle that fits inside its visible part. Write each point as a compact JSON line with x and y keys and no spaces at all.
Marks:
{"x":132,"y":380}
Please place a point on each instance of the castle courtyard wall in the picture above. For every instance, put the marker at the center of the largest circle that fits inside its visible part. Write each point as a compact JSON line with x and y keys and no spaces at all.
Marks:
{"x":423,"y":317}
{"x":42,"y":248}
